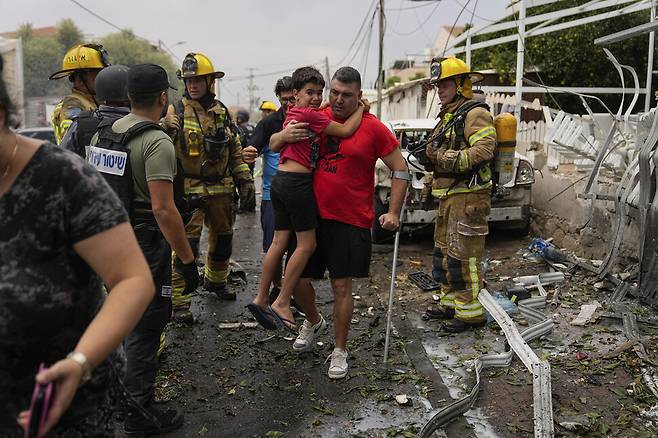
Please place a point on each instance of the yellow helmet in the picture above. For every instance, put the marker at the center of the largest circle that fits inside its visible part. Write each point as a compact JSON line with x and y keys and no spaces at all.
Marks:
{"x":197,"y":64}
{"x":444,"y":68}
{"x":82,"y":57}
{"x":267,"y":106}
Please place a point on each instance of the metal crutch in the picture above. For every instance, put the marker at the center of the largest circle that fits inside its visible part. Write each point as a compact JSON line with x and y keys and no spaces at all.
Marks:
{"x":393,"y":271}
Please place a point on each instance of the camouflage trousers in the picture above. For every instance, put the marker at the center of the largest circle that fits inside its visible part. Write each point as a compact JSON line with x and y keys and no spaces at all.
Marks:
{"x":459,"y":238}
{"x":217,"y":215}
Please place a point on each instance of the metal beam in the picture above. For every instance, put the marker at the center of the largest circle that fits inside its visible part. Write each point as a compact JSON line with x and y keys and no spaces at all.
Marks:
{"x":555,"y":28}
{"x":520,"y":60}
{"x":541,"y":18}
{"x":652,"y":37}
{"x":627,"y":33}
{"x":540,"y":369}
{"x":554,"y":90}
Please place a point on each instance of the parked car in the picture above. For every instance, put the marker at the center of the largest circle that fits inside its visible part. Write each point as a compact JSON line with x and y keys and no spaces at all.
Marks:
{"x":43,"y":133}
{"x":510,"y":204}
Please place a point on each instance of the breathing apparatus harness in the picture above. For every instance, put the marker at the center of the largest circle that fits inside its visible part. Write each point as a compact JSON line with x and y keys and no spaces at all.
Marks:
{"x":212,"y":144}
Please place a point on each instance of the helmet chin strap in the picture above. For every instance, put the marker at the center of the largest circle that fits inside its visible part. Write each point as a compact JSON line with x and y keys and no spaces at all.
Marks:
{"x":460,"y":88}
{"x":91,"y":93}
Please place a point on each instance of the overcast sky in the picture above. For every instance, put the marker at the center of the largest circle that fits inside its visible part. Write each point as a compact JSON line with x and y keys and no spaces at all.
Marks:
{"x":267,"y":35}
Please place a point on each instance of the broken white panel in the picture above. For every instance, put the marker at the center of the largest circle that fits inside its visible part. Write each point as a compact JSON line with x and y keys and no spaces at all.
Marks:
{"x":586,"y":313}
{"x":540,"y":369}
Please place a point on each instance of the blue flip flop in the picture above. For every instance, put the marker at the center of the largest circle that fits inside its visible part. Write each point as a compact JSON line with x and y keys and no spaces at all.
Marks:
{"x":263,"y":317}
{"x":282,"y":322}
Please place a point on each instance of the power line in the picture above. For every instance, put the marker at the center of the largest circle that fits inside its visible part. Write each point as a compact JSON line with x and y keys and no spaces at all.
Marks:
{"x":159,"y":43}
{"x":178,"y":58}
{"x":408,"y":8}
{"x":445,"y":47}
{"x":271,"y":73}
{"x":436,"y":6}
{"x":526,"y":53}
{"x":363,"y":39}
{"x":97,"y":16}
{"x":367,"y":49}
{"x":422,"y":28}
{"x":473,"y":14}
{"x":356,"y":37}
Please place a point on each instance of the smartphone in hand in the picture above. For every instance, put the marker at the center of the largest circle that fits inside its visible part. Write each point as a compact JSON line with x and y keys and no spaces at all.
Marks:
{"x":42,"y":397}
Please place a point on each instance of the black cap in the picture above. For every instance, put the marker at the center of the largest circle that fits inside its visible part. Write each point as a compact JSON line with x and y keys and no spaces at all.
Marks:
{"x":147,"y":78}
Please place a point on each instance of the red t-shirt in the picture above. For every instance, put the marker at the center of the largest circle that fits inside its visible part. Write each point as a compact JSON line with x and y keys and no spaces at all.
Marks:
{"x":344,"y":179}
{"x":301,"y":151}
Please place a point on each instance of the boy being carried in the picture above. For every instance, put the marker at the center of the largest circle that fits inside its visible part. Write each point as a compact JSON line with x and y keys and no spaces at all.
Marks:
{"x":293,"y":199}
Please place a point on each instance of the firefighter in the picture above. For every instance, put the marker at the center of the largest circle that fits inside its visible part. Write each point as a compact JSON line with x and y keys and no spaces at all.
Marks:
{"x":112,"y":97}
{"x":266,"y":108}
{"x":81,"y":64}
{"x":209,"y":148}
{"x":460,"y":158}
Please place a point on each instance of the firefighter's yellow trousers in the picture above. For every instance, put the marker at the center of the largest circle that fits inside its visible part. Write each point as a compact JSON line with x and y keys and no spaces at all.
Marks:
{"x":459,"y":238}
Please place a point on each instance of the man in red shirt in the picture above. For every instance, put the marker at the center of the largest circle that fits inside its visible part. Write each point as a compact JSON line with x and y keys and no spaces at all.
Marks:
{"x":343,"y":184}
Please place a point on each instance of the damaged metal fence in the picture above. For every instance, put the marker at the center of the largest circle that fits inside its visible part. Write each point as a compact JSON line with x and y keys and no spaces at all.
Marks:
{"x":518,"y":343}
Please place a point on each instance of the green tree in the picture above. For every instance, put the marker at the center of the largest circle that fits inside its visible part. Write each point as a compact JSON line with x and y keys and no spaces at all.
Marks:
{"x":419,"y":75}
{"x":392,"y":80}
{"x":126,"y":48}
{"x":569,"y":57}
{"x":68,"y":33}
{"x":42,"y":56}
{"x":25,"y":31}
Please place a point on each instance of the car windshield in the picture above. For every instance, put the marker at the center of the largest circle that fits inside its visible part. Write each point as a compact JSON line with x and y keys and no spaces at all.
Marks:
{"x":410,"y":139}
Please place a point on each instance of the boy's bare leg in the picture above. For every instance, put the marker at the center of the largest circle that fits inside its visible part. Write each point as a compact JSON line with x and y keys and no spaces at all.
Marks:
{"x":343,"y":309}
{"x":271,"y":262}
{"x":305,"y":297}
{"x":303,"y":252}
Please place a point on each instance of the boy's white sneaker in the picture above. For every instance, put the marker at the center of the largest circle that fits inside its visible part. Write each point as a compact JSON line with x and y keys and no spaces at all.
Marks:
{"x":307,"y":334}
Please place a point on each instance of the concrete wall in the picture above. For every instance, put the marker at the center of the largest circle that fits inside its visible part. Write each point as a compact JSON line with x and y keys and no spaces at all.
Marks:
{"x":583,"y":226}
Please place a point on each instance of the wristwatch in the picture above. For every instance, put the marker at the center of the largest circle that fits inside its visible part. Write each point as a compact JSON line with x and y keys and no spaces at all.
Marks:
{"x":81,"y":360}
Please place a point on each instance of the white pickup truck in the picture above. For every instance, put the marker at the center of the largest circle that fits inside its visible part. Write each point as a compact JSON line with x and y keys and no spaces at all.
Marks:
{"x":510,"y":206}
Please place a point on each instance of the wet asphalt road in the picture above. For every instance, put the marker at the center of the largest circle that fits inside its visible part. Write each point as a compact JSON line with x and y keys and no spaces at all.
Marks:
{"x":244,"y":383}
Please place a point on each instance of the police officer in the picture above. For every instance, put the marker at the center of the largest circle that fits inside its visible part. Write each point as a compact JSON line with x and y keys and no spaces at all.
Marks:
{"x":139,"y":161}
{"x":81,"y":64}
{"x":460,"y":157}
{"x":210,"y":151}
{"x":245,"y":129}
{"x":112,"y":96}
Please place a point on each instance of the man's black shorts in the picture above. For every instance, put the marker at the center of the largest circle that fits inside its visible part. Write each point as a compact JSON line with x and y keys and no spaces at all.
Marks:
{"x":342,"y":249}
{"x":293,"y":201}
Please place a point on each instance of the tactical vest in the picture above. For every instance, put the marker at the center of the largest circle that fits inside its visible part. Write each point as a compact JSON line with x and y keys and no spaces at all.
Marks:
{"x":87,"y":126}
{"x":111,"y":157}
{"x":214,"y":145}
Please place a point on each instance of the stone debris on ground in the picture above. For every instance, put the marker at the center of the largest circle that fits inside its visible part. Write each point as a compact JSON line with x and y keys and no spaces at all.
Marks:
{"x":231,"y":378}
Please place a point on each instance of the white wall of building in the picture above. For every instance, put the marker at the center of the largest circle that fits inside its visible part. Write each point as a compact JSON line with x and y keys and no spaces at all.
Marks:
{"x":12,"y":55}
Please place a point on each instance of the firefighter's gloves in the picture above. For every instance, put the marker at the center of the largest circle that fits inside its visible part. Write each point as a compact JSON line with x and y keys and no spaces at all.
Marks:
{"x":171,"y":123}
{"x":190,"y":274}
{"x":453,"y":161}
{"x":247,"y":194}
{"x":433,"y":151}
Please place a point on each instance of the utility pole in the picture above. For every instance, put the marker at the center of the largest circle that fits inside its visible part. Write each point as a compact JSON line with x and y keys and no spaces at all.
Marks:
{"x":327,"y":78}
{"x":652,"y":36}
{"x":251,"y":88}
{"x":520,"y":54}
{"x":380,"y":65}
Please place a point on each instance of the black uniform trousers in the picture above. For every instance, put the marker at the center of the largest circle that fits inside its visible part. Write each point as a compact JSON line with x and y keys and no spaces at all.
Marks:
{"x":142,"y":344}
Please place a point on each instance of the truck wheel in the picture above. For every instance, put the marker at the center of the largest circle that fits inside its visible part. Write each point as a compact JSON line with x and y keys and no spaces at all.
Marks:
{"x":380,"y":235}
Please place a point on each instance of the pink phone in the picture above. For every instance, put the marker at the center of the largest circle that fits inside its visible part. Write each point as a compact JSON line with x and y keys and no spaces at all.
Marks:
{"x":42,"y":397}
